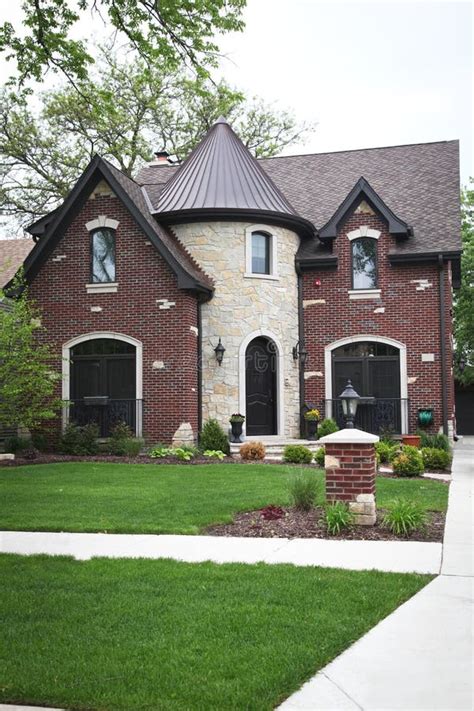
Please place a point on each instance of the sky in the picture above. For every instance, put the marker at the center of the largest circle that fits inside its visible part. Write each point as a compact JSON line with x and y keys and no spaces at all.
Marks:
{"x":375,"y":73}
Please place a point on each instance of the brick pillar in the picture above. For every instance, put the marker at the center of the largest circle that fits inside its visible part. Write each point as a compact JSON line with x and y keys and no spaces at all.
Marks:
{"x":350,"y":472}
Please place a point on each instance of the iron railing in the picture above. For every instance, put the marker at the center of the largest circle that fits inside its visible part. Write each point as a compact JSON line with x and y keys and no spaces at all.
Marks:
{"x":106,"y":413}
{"x":374,"y":415}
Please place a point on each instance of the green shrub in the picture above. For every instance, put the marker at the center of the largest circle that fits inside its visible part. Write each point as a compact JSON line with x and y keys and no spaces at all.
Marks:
{"x":434,"y":441}
{"x":386,"y":451}
{"x":40,"y":441}
{"x":297,"y":454}
{"x":214,"y":437}
{"x":338,"y":517}
{"x":304,"y":489}
{"x":122,"y":443}
{"x":16,"y":444}
{"x":408,"y":462}
{"x":184,"y":454}
{"x":404,"y":516}
{"x":159,"y":451}
{"x":319,"y":456}
{"x":326,"y":427}
{"x":79,"y":440}
{"x":434,"y":458}
{"x":214,"y":454}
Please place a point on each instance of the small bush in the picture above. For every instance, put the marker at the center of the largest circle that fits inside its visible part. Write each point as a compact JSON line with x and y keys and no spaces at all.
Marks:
{"x":404,"y":516}
{"x":338,"y":517}
{"x":159,"y":451}
{"x":434,"y":458}
{"x":214,"y":454}
{"x":434,"y":441}
{"x":184,"y":454}
{"x":79,"y":440}
{"x":252,"y":451}
{"x":409,"y":462}
{"x":122,"y":443}
{"x":319,"y":457}
{"x":16,"y":444}
{"x":214,"y":437}
{"x":304,"y":489}
{"x":297,"y":454}
{"x":39,"y":441}
{"x":326,"y":427}
{"x":386,"y":451}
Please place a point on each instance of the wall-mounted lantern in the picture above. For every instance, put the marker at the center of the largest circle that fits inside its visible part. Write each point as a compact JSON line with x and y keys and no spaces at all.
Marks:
{"x":219,"y":350}
{"x":300,"y":353}
{"x":350,"y":400}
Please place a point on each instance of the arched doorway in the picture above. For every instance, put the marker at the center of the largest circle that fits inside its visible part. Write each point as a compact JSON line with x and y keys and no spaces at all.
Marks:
{"x":261,"y":365}
{"x":374,"y":369}
{"x":103,"y":383}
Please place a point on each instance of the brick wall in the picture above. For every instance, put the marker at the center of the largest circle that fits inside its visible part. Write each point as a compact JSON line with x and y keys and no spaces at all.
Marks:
{"x":403,"y":312}
{"x":168,"y":335}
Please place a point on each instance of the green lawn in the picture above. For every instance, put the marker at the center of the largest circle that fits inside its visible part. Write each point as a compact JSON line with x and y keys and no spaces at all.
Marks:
{"x":142,"y":498}
{"x":138,"y":634}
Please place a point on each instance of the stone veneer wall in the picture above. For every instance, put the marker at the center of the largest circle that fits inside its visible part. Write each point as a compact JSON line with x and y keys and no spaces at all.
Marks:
{"x":242,"y":305}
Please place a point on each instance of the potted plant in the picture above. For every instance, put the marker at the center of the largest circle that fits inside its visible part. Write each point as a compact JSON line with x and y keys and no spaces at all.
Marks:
{"x":312,"y":418}
{"x":236,"y":422}
{"x":412,"y":440}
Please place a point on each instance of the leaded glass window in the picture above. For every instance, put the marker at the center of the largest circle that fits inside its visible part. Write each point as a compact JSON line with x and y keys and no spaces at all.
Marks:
{"x":364,"y":263}
{"x":261,"y":246}
{"x":103,"y":256}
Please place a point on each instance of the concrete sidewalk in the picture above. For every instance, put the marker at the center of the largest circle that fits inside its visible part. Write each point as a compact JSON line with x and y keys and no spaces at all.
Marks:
{"x":421,"y":656}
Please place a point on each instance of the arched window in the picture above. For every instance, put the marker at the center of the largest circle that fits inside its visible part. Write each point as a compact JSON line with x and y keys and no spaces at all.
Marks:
{"x":364,"y":263}
{"x":103,"y":255}
{"x":261,"y":253}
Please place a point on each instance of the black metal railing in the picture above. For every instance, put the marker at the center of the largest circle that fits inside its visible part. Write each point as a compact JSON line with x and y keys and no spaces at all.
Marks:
{"x":106,"y":413}
{"x":374,"y":415}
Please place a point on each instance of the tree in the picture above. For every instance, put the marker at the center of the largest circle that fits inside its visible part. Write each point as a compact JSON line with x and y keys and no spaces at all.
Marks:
{"x":464,"y":297}
{"x":123,"y":112}
{"x":164,"y":31}
{"x":27,"y":381}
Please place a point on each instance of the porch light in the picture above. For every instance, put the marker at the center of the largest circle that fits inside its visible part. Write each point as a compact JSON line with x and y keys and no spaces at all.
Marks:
{"x":300,"y":352}
{"x":219,"y":350}
{"x":349,"y":400}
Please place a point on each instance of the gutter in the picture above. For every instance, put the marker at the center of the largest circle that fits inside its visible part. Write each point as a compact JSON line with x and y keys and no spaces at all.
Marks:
{"x":199,"y":367}
{"x":442,"y":335}
{"x":301,"y":341}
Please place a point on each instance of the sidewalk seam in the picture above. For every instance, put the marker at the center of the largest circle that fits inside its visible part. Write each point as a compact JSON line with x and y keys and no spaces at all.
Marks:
{"x":343,"y":691}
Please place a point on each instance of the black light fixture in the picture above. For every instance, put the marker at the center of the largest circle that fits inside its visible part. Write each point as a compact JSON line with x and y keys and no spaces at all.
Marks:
{"x":219,"y":350}
{"x":350,"y":400}
{"x":300,"y":352}
{"x":461,"y":364}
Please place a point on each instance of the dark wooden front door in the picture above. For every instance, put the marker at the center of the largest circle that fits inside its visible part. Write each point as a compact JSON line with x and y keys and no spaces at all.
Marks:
{"x":261,"y":367}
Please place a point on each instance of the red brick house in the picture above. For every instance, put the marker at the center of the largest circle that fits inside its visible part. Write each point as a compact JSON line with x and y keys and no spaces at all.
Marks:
{"x":229,"y":284}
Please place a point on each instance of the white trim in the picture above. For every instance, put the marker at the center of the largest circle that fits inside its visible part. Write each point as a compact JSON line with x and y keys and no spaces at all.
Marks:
{"x":355,"y":294}
{"x":102,"y":287}
{"x":280,"y":376}
{"x":66,"y":361}
{"x":377,"y":339}
{"x":102,"y":221}
{"x":273,"y":252}
{"x":363,"y":231}
{"x":270,"y":277}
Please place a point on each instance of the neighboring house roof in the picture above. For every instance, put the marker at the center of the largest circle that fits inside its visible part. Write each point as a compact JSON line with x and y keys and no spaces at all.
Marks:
{"x":189,"y":274}
{"x":221,"y":179}
{"x":13,"y":252}
{"x":419,"y":183}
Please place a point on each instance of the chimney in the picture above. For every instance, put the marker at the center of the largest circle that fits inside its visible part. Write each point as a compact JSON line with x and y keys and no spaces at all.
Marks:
{"x":162,"y":158}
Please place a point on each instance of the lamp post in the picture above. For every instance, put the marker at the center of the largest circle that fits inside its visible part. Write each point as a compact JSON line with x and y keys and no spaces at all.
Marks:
{"x":219,"y":350}
{"x":350,"y":400}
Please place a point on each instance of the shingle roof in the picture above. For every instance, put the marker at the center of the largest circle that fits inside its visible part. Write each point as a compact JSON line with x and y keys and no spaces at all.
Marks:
{"x":221,"y":177}
{"x":420,"y":183}
{"x":13,"y":252}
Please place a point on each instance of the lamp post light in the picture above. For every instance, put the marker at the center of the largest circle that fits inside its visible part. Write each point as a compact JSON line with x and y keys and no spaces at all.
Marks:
{"x":350,"y":400}
{"x":300,"y":352}
{"x":219,"y":350}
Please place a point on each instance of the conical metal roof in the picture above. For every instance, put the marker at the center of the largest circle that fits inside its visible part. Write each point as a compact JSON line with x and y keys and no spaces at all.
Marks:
{"x":222,"y":180}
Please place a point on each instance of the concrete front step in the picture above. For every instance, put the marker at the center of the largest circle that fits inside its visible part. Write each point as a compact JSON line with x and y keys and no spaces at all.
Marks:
{"x":274,"y":447}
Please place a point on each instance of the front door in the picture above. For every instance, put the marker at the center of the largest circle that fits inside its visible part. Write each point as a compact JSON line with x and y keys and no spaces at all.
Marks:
{"x":261,"y":396}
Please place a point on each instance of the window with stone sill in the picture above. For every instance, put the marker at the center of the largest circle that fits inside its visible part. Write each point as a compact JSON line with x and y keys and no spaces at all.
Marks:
{"x":260,"y":253}
{"x":103,"y":256}
{"x":364,"y":263}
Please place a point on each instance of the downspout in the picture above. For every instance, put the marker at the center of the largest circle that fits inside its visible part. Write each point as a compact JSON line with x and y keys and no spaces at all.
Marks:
{"x":442,"y":335}
{"x":199,"y":367}
{"x":301,"y":342}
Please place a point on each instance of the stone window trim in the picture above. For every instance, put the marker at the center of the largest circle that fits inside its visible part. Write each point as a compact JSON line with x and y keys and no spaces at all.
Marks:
{"x":328,"y":384}
{"x":355,"y":294}
{"x":106,"y":287}
{"x":66,"y":365}
{"x":99,"y":223}
{"x":273,"y":275}
{"x":363,"y":231}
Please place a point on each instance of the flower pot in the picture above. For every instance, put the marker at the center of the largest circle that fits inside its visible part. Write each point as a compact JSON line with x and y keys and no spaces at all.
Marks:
{"x":236,"y":431}
{"x":412,"y":440}
{"x":311,"y":429}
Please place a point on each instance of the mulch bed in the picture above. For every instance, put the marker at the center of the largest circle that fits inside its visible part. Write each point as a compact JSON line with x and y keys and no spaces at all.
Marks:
{"x":311,"y":524}
{"x":110,"y":459}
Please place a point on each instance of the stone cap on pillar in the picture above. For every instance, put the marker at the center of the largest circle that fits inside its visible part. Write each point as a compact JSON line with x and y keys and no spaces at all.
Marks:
{"x":349,"y":436}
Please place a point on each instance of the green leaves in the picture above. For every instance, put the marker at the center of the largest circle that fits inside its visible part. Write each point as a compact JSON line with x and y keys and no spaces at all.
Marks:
{"x":464,"y":297}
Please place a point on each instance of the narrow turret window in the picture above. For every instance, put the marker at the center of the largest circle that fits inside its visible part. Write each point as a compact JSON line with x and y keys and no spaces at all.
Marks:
{"x":261,"y":253}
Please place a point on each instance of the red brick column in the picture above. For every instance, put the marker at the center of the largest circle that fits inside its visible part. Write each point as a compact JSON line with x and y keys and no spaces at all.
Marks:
{"x":350,"y":472}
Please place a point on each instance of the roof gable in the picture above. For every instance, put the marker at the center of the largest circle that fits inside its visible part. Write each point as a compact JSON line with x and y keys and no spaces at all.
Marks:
{"x":131,"y":195}
{"x":362,"y":191}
